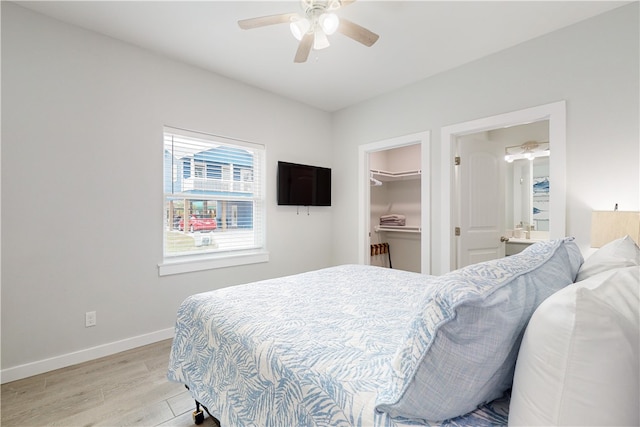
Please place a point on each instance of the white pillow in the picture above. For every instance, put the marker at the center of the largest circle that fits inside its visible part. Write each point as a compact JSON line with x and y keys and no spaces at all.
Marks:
{"x":578,"y":363}
{"x":621,"y":252}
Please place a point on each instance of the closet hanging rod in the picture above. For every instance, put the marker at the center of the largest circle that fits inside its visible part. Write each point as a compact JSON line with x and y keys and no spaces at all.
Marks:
{"x":398,"y":228}
{"x":396,"y":174}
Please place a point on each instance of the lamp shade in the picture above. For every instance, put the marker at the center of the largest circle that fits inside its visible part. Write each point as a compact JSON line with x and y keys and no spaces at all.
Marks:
{"x":320,"y":40}
{"x":329,"y":23}
{"x":607,"y":226}
{"x":299,"y":28}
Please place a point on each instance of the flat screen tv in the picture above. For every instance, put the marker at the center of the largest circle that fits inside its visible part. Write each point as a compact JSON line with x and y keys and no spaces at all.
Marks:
{"x":303,"y":185}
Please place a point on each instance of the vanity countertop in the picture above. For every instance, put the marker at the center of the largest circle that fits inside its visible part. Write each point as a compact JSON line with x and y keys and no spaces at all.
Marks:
{"x":518,"y":244}
{"x":524,"y":241}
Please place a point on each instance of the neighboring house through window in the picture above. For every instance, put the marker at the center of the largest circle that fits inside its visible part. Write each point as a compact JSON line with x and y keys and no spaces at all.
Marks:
{"x":214,"y":203}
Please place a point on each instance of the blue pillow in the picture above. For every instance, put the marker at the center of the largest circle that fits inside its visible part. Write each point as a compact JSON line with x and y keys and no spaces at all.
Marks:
{"x":461,"y":349}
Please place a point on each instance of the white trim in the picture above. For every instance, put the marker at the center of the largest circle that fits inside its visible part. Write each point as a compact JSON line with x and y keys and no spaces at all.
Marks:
{"x":364,"y":199}
{"x":227,"y":259}
{"x":556,"y":114}
{"x":216,"y":139}
{"x":81,"y":356}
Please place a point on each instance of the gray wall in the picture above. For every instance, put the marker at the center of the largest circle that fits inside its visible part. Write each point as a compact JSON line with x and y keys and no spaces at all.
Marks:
{"x":593,"y":65}
{"x":82,"y":118}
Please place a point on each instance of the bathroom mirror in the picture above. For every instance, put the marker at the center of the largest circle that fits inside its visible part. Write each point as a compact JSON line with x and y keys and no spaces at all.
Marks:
{"x":527,"y":198}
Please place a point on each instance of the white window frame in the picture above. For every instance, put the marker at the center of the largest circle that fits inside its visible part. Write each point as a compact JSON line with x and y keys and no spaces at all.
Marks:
{"x":220,"y":259}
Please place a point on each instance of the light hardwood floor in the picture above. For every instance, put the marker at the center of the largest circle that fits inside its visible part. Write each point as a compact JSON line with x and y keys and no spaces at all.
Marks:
{"x":126,"y":389}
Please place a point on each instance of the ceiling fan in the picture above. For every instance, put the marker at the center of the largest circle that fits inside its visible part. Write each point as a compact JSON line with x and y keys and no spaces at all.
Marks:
{"x":312,"y":28}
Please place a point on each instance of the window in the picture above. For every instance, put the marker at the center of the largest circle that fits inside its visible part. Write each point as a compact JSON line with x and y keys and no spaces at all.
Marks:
{"x":199,"y":169}
{"x":214,"y":202}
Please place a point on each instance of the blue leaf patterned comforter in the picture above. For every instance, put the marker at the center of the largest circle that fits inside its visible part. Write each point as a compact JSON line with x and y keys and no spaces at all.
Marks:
{"x":311,"y":349}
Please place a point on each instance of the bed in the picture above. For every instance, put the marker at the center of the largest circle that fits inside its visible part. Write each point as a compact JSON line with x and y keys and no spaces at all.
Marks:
{"x":357,"y":345}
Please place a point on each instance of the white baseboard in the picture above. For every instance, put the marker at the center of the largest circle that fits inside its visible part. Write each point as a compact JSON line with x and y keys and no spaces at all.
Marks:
{"x":62,"y":361}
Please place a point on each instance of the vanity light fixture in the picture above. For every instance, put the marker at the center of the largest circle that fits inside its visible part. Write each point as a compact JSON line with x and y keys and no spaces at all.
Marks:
{"x":528,"y":150}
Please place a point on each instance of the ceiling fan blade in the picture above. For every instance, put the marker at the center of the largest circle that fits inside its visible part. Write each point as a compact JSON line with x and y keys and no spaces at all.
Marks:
{"x":304,"y":48}
{"x":248,"y":24}
{"x":337,"y":4}
{"x":344,"y":3}
{"x":358,"y":33}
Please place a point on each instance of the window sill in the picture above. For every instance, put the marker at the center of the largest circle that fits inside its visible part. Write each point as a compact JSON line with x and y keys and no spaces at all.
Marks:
{"x":191,"y":264}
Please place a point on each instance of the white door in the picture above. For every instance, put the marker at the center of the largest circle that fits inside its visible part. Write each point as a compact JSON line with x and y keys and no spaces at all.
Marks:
{"x":480,"y":207}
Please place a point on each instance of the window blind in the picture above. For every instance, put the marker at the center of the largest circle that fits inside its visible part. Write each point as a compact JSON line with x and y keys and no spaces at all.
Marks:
{"x":214,"y":201}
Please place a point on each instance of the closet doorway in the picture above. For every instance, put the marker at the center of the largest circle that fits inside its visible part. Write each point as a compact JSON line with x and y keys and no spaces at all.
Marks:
{"x":394,"y":180}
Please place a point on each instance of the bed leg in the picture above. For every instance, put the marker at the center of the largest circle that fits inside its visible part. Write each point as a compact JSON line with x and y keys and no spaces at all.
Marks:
{"x":198,"y":415}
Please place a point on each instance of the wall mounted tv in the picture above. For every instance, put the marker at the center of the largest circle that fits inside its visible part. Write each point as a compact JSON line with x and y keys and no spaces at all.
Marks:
{"x":303,"y":185}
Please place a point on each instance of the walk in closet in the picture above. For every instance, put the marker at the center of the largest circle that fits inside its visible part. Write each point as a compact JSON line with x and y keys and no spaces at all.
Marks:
{"x":394,"y":179}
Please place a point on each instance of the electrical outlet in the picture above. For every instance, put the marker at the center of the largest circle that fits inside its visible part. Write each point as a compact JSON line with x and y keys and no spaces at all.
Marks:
{"x":90,"y":319}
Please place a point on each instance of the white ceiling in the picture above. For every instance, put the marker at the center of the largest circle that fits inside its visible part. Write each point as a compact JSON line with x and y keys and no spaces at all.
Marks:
{"x":417,"y":39}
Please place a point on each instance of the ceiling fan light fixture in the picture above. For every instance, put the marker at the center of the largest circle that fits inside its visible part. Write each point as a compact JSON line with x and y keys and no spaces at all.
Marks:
{"x":312,"y":27}
{"x":329,"y":23}
{"x":299,"y":28}
{"x":320,"y":40}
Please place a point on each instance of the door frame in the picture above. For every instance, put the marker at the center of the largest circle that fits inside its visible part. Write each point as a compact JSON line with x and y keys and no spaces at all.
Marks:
{"x":364,"y":203}
{"x":555,"y":113}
